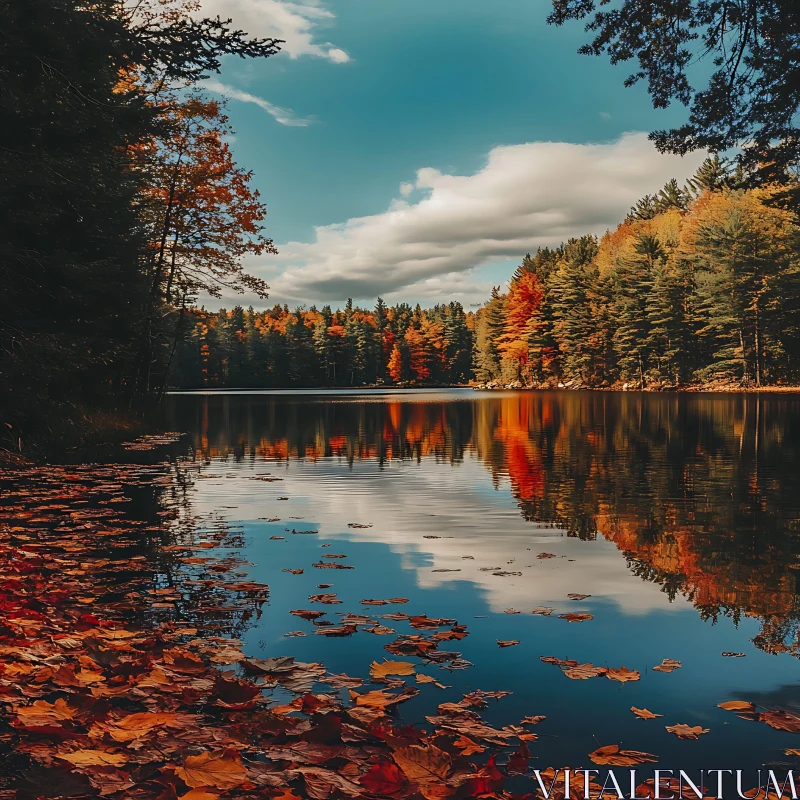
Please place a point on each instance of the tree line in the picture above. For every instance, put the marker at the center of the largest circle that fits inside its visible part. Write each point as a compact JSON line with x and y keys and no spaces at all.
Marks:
{"x":699,"y":285}
{"x":394,"y":345}
{"x":120,"y":200}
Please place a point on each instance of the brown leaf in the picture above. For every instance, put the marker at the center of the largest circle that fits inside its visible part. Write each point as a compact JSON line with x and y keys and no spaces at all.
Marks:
{"x":781,"y":720}
{"x":667,"y":665}
{"x":736,"y":705}
{"x":94,"y":758}
{"x":582,"y":672}
{"x":613,"y":756}
{"x":384,"y":779}
{"x":467,"y":746}
{"x":532,"y":720}
{"x":423,"y":764}
{"x":391,"y":668}
{"x":507,"y":642}
{"x":686,"y":732}
{"x":580,"y":617}
{"x":623,"y":675}
{"x":222,"y":772}
{"x":42,"y":713}
{"x":306,"y":613}
{"x":643,"y":713}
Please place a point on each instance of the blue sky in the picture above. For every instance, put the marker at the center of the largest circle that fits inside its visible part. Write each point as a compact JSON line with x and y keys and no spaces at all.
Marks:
{"x":370,"y":92}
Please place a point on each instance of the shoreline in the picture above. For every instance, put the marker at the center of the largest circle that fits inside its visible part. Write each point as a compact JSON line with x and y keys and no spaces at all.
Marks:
{"x":690,"y":389}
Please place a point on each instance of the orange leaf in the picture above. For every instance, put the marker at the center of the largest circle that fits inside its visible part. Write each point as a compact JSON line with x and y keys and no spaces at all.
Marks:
{"x":223,"y":772}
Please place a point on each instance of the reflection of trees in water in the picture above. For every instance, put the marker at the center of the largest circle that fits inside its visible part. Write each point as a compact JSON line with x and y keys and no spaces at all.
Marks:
{"x":204,"y":593}
{"x":701,"y":492}
{"x":253,"y":427}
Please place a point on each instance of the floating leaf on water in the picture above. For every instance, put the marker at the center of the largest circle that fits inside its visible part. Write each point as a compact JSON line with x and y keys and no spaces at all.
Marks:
{"x":381,"y":670}
{"x":582,"y":672}
{"x":507,"y":642}
{"x":643,"y":713}
{"x":623,"y":675}
{"x":736,"y":705}
{"x":576,"y":617}
{"x":613,"y":756}
{"x":686,"y":731}
{"x":667,"y":665}
{"x":781,"y":720}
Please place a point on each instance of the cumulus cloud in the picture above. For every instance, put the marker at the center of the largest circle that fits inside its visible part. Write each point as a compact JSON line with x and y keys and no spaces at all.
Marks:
{"x":526,"y":196}
{"x":296,"y":23}
{"x":285,"y":116}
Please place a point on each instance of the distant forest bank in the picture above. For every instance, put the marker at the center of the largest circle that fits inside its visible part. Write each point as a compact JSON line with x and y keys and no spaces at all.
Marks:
{"x":697,"y":288}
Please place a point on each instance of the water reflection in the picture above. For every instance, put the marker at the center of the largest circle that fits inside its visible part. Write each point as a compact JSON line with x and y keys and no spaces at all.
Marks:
{"x":701,"y":493}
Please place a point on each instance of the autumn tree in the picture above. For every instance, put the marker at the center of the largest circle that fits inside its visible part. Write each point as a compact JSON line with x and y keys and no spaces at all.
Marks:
{"x":78,"y":101}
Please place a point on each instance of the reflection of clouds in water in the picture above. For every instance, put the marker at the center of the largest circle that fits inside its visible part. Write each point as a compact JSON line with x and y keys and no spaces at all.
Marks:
{"x":405,"y":501}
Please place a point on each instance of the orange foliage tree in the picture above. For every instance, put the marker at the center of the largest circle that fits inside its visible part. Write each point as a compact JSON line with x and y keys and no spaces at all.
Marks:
{"x":524,"y":297}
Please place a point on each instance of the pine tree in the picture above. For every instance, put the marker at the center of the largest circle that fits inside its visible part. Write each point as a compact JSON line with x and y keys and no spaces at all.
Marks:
{"x":632,"y":284}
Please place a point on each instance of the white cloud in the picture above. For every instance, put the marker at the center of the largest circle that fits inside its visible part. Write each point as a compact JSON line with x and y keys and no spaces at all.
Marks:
{"x":432,"y":499}
{"x":526,"y":196}
{"x":296,"y":23}
{"x":285,"y":116}
{"x":406,"y":189}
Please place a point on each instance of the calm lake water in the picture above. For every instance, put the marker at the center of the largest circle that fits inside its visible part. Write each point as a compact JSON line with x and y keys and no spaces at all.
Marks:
{"x":678,"y":516}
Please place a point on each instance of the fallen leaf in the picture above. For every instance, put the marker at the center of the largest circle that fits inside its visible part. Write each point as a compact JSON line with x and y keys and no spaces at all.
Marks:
{"x":643,"y":713}
{"x":507,"y":642}
{"x":686,"y":732}
{"x":384,"y":779}
{"x":576,"y":617}
{"x":667,"y":665}
{"x":781,"y":720}
{"x":423,"y":764}
{"x":222,"y":772}
{"x":623,"y":675}
{"x":391,"y":668}
{"x":736,"y":705}
{"x":94,"y":758}
{"x":199,"y":794}
{"x":535,"y":720}
{"x":613,"y":756}
{"x":307,"y":613}
{"x":582,"y":672}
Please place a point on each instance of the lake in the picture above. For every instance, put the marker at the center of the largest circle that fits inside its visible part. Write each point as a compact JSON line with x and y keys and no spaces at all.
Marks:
{"x":673,"y":518}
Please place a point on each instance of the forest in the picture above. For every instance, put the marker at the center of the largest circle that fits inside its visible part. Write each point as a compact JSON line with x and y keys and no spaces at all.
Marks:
{"x":698,"y":286}
{"x":120,"y":201}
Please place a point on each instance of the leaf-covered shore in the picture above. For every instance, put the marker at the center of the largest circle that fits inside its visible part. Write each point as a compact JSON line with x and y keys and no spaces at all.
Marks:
{"x":123,"y":674}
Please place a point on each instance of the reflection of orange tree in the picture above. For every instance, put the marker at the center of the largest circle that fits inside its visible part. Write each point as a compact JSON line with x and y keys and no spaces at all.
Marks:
{"x":679,"y":493}
{"x":381,"y":431}
{"x":700,"y":493}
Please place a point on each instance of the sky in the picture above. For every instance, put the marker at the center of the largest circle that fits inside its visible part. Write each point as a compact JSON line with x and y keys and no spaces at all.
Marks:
{"x":417,"y":150}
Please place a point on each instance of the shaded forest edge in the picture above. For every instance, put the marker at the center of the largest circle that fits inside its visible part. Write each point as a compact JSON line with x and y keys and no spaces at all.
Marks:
{"x":697,"y":288}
